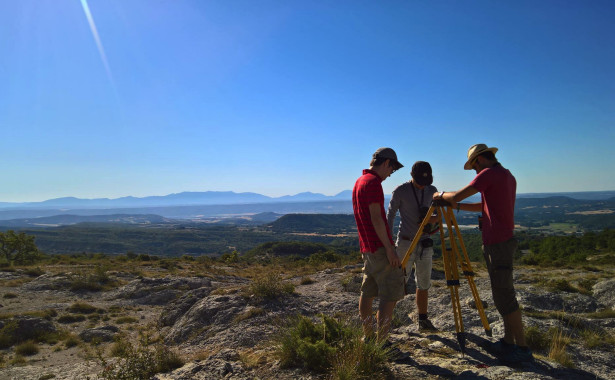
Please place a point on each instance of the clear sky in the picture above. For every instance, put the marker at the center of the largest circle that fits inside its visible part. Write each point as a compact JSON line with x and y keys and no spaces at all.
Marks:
{"x":109,"y":98}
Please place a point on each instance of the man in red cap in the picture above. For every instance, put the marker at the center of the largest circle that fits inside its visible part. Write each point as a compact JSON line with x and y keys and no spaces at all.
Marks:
{"x":382,"y":275}
{"x":497,"y":187}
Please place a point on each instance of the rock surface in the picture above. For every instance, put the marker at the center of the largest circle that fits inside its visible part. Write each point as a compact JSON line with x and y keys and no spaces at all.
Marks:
{"x":225,"y":334}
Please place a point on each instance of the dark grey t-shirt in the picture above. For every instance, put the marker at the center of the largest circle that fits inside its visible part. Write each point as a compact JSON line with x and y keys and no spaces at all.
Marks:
{"x":404,"y":201}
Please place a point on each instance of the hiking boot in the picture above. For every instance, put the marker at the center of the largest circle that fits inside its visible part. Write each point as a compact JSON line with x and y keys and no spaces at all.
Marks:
{"x":517,"y":355}
{"x":500,"y":347}
{"x":426,"y":325}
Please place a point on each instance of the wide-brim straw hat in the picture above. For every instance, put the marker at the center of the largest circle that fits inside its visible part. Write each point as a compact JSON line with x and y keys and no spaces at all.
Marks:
{"x":474,"y":151}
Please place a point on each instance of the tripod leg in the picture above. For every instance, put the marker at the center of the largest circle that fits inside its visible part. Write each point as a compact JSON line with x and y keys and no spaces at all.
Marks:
{"x":416,"y":238}
{"x":452,"y":278}
{"x":468,"y":271}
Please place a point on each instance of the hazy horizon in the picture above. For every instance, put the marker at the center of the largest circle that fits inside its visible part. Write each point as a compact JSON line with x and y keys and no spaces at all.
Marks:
{"x":107,"y":99}
{"x":387,"y":195}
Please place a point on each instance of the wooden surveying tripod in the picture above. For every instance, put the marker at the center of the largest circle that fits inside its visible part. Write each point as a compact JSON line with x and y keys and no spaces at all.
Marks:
{"x":451,"y":255}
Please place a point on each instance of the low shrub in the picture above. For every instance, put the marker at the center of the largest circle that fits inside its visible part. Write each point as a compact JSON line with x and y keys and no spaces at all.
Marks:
{"x":28,"y":348}
{"x":47,"y":314}
{"x":34,"y":272}
{"x":139,"y":362}
{"x":597,"y":339}
{"x":82,"y":308}
{"x":122,"y":320}
{"x":331,"y":346}
{"x":71,"y":318}
{"x":270,"y":286}
{"x":537,"y":339}
{"x":306,"y":281}
{"x":561,"y":285}
{"x":72,"y":341}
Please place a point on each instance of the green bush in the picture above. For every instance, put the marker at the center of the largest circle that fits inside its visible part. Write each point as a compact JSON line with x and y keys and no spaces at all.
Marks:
{"x":140,"y":362}
{"x":332,"y":346}
{"x":270,"y":286}
{"x":230,"y":258}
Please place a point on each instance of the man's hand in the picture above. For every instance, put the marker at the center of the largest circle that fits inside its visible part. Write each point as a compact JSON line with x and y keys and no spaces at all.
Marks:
{"x":445,"y":199}
{"x":393,"y":258}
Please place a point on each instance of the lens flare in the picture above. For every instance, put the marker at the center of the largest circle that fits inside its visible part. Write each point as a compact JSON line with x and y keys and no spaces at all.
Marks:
{"x":99,"y":45}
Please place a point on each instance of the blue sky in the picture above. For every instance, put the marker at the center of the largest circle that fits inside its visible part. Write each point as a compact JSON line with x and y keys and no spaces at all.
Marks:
{"x":280,"y":97}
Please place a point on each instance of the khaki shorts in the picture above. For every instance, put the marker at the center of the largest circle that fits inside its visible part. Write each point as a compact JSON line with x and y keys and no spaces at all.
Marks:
{"x":380,"y":279}
{"x":421,"y":258}
{"x":499,"y":259}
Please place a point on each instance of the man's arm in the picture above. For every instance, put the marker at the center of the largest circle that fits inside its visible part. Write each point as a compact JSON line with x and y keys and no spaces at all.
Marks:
{"x":381,"y":230}
{"x":392,"y":211}
{"x":457,"y":196}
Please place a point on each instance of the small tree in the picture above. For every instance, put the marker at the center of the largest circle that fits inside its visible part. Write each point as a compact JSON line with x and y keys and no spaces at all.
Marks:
{"x":18,"y":248}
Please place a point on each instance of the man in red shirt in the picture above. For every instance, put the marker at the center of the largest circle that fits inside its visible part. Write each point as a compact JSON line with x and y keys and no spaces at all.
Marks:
{"x":497,"y":187}
{"x":382,"y":274}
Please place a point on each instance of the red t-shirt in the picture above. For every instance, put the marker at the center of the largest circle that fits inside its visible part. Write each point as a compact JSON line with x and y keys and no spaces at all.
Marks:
{"x":498,"y":189}
{"x":368,"y":190}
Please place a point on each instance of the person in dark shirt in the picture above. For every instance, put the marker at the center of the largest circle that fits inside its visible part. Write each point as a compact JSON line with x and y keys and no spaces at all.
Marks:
{"x":412,"y":199}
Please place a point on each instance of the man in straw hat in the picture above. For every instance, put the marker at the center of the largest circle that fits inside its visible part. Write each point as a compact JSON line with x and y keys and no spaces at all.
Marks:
{"x":412,"y":199}
{"x":382,"y":275}
{"x":497,"y":187}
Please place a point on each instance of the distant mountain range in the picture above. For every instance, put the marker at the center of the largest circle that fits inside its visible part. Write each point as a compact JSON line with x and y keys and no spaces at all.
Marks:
{"x":228,"y":207}
{"x":230,"y":198}
{"x":177,"y":199}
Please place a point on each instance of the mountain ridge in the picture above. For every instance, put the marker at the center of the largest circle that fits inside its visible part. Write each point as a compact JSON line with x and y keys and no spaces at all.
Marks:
{"x":231,"y":198}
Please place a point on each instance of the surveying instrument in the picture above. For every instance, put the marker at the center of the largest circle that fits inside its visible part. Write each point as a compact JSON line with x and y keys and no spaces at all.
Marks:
{"x":452,"y":254}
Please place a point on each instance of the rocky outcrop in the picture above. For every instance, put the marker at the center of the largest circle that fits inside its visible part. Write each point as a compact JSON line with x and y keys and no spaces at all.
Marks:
{"x":22,"y":328}
{"x":99,"y":334}
{"x":157,"y":291}
{"x":604,"y":292}
{"x":540,"y":299}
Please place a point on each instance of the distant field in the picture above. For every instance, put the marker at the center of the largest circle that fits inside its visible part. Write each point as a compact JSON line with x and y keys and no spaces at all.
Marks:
{"x":563,"y":228}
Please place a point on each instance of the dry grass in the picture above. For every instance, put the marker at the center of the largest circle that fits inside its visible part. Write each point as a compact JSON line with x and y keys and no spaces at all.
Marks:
{"x":557,"y":349}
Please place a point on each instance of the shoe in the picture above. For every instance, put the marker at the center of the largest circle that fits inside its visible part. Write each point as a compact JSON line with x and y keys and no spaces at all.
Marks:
{"x":426,"y":325}
{"x":517,"y":355}
{"x":393,"y":353}
{"x":500,"y":347}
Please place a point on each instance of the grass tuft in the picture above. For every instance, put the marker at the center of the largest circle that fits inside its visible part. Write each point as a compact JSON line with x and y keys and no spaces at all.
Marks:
{"x":557,"y":350}
{"x":28,"y":348}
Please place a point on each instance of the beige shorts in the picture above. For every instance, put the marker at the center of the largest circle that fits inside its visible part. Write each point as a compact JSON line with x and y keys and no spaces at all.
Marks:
{"x":380,"y":279}
{"x":421,"y":258}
